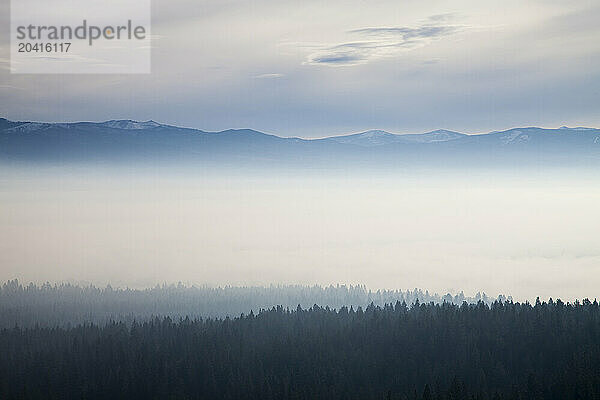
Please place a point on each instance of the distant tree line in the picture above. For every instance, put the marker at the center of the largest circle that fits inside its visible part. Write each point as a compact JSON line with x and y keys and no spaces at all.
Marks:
{"x":67,"y":304}
{"x":502,"y":350}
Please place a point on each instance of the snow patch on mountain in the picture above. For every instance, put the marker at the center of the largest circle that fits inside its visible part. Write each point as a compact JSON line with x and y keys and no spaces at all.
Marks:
{"x":515,"y":137}
{"x":130,"y":124}
{"x":27,"y":127}
{"x":368,"y":138}
{"x":440,"y":135}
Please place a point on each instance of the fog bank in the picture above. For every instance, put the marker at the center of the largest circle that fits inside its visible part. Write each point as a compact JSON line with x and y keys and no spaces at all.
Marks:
{"x":514,"y":235}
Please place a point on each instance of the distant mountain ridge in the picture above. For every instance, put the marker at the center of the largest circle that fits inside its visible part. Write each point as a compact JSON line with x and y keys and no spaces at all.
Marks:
{"x":120,"y":140}
{"x":379,"y":137}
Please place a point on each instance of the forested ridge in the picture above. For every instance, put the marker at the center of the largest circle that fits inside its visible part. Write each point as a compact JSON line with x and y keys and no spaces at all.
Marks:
{"x":504,"y":350}
{"x":67,"y":304}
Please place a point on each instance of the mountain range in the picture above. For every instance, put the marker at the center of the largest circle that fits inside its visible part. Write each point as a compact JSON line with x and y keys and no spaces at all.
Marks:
{"x":129,"y":141}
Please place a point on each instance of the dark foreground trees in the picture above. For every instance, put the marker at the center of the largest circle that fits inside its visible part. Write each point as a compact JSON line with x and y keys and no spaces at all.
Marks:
{"x":503,"y":351}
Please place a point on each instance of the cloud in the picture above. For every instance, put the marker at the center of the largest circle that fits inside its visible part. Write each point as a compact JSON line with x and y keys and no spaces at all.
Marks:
{"x":443,"y":17}
{"x":423,"y":32}
{"x":341,"y":59}
{"x":269,"y":76}
{"x":11,"y":87}
{"x":383,"y":42}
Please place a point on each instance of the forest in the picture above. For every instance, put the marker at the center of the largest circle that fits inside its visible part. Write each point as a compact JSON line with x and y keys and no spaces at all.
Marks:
{"x":419,"y":351}
{"x":68,"y":304}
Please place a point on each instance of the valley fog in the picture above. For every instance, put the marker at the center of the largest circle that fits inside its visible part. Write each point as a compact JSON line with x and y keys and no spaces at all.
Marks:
{"x":512,"y":234}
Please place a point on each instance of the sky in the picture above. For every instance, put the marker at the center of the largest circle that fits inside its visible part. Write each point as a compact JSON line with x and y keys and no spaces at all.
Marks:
{"x":319,"y":68}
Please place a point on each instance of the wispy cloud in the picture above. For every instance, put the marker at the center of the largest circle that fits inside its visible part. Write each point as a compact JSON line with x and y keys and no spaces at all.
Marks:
{"x":406,"y":34}
{"x":268,"y":76}
{"x":11,"y":87}
{"x":379,"y":42}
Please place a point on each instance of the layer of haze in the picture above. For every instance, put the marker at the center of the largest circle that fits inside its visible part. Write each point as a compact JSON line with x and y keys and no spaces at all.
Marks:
{"x":514,"y":235}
